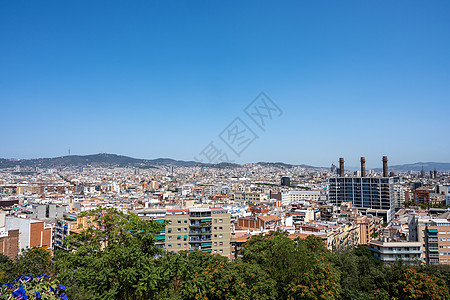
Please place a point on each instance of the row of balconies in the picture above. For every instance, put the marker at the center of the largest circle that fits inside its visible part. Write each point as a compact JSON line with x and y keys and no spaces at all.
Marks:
{"x":200,"y":238}
{"x":193,"y":231}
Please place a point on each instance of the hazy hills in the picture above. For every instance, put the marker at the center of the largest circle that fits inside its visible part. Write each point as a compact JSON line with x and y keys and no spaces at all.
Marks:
{"x":114,"y":160}
{"x":417,"y":167}
{"x":95,"y":160}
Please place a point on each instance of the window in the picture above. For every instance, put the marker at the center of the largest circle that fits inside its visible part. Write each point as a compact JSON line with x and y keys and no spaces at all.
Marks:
{"x":178,"y":237}
{"x":179,"y":222}
{"x":220,"y":228}
{"x":215,"y":243}
{"x":442,"y":239}
{"x":185,"y":245}
{"x":179,"y":229}
{"x":185,"y":229}
{"x":215,"y":228}
{"x":169,"y":237}
{"x":215,"y":235}
{"x":169,"y":230}
{"x":185,"y":221}
{"x":221,"y":244}
{"x":215,"y":220}
{"x":170,"y":245}
{"x":179,"y":245}
{"x":443,"y":260}
{"x":220,"y":220}
{"x":442,"y":253}
{"x":220,"y":236}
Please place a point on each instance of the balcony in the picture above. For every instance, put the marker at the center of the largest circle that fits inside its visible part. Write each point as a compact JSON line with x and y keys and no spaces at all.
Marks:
{"x":201,"y":238}
{"x":202,"y":230}
{"x":207,"y":245}
{"x":200,"y":223}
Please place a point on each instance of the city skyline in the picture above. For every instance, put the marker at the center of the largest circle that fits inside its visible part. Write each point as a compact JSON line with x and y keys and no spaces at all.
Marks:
{"x":167,"y":161}
{"x":164,"y":79}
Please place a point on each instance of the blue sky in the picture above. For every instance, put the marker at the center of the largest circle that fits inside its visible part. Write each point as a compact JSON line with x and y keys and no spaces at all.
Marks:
{"x":164,"y":78}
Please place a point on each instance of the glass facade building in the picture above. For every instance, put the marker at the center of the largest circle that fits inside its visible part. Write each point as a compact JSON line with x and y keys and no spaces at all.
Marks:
{"x":370,"y":195}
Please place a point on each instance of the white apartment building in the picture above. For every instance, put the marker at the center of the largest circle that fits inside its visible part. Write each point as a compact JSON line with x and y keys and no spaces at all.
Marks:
{"x":399,"y":195}
{"x":292,"y":196}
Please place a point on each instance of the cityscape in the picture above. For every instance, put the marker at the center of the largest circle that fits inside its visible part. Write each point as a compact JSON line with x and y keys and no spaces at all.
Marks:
{"x":216,"y":208}
{"x":241,"y":150}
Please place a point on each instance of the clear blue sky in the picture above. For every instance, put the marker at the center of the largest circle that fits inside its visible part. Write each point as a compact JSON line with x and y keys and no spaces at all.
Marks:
{"x":164,"y":78}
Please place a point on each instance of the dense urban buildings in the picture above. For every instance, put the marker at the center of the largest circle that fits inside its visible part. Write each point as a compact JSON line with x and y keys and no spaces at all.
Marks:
{"x":216,"y":210}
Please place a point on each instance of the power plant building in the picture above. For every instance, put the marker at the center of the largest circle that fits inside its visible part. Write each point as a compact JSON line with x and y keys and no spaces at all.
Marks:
{"x":370,"y":195}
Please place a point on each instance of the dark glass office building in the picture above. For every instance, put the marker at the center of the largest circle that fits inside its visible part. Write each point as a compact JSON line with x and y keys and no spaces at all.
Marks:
{"x":370,"y":195}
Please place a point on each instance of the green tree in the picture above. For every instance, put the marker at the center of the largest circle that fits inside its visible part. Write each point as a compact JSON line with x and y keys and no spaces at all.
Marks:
{"x":302,"y":269}
{"x":5,"y":268}
{"x":362,"y":276}
{"x":113,"y":258}
{"x":199,"y":275}
{"x":31,"y":261}
{"x":415,"y":285}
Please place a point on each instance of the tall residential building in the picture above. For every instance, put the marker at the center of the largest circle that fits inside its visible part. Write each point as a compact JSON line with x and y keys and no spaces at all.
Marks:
{"x":205,"y":229}
{"x":422,"y":195}
{"x":399,"y":195}
{"x":70,"y":223}
{"x":437,"y":242}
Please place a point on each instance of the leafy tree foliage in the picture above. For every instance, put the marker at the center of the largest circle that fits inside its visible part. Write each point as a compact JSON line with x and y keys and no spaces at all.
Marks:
{"x":415,"y":285}
{"x":113,"y":258}
{"x":32,"y":261}
{"x":302,"y":269}
{"x":116,"y":258}
{"x":5,"y":265}
{"x":361,"y":274}
{"x":199,"y":275}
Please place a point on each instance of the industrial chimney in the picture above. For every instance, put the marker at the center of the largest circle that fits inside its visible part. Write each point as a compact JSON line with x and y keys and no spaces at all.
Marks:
{"x":363,"y":167}
{"x":385,"y":167}
{"x":341,"y":166}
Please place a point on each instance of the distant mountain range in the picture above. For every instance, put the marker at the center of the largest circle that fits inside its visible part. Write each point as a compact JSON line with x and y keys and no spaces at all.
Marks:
{"x":417,"y":167}
{"x":95,"y":160}
{"x":114,"y":160}
{"x":282,"y":165}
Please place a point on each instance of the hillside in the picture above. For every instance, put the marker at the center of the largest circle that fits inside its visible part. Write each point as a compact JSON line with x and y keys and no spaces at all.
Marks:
{"x":95,"y":160}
